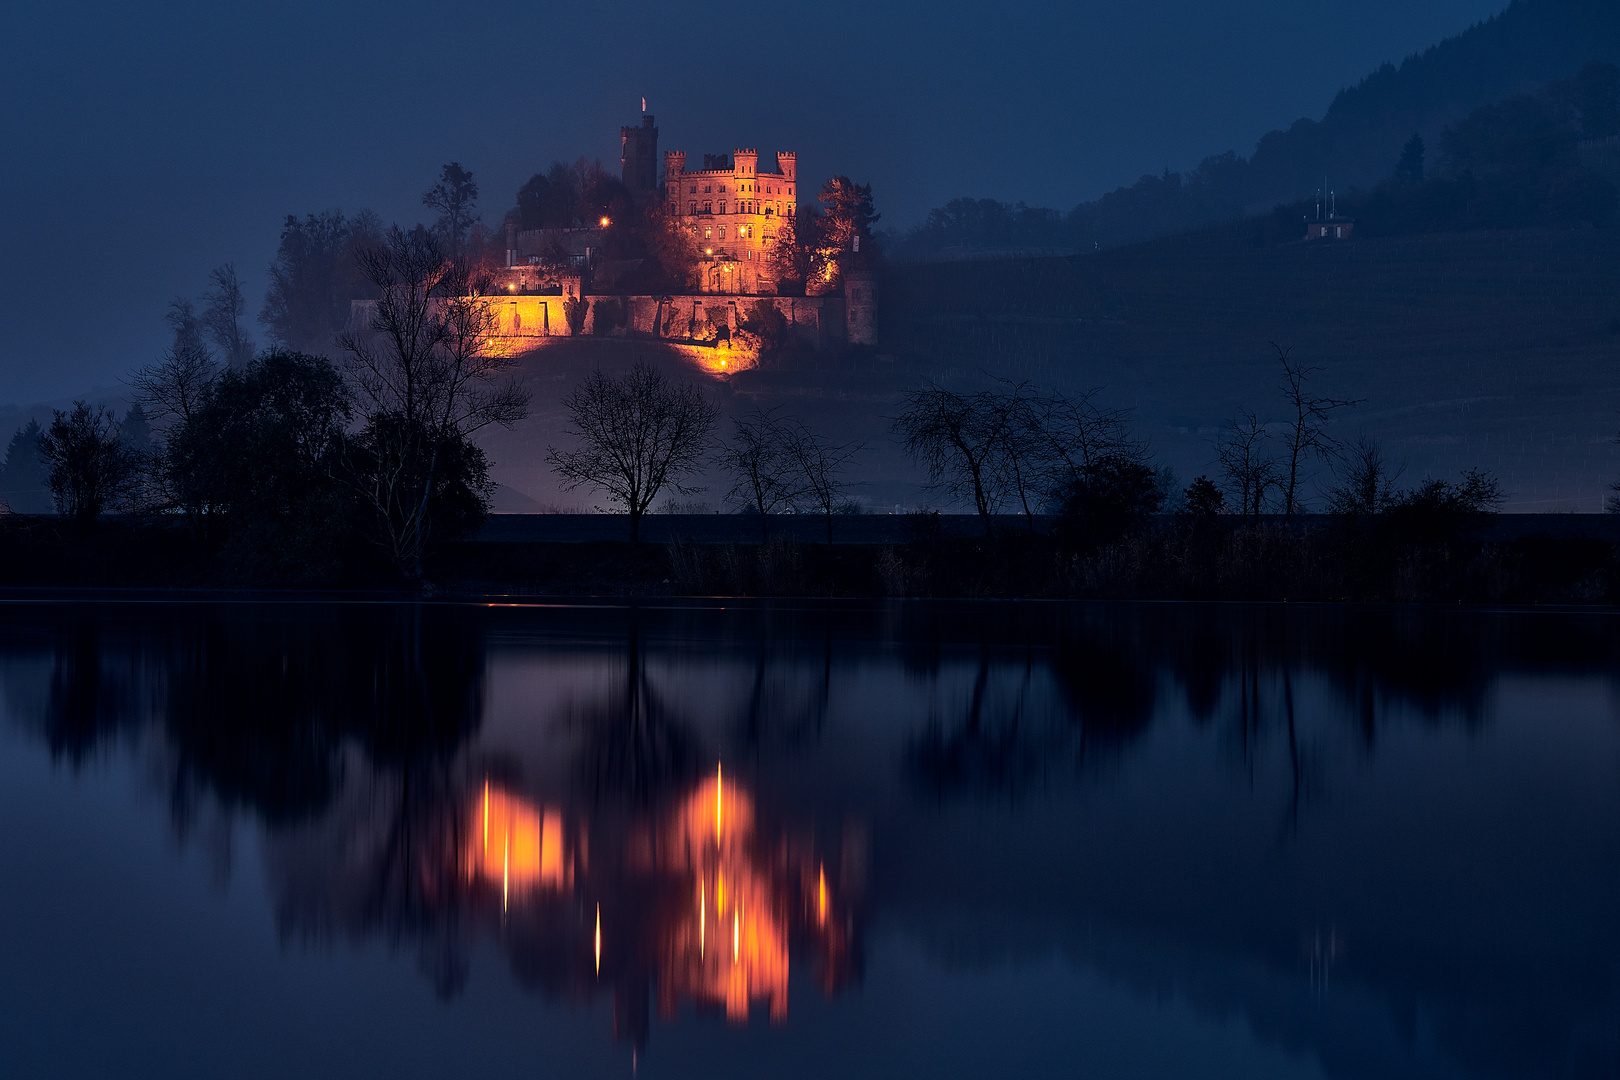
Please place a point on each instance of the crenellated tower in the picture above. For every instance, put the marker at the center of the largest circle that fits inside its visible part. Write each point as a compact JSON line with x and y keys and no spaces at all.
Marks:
{"x":733,"y":206}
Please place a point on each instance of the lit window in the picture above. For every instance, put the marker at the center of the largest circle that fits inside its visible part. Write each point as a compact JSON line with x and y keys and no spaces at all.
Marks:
{"x":708,"y":234}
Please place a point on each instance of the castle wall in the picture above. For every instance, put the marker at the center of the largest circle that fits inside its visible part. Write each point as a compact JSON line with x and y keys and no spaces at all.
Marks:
{"x":818,"y":320}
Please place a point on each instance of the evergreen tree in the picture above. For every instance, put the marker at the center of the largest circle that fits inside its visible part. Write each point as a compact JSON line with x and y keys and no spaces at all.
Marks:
{"x":1409,"y":170}
{"x":846,"y":229}
{"x":23,"y":474}
{"x":455,"y":197}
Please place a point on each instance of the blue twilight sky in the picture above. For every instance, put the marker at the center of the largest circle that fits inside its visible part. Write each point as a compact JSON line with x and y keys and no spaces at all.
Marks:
{"x":147,"y":143}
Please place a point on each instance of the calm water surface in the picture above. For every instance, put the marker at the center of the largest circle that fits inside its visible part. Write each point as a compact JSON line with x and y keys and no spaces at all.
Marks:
{"x":358,"y":840}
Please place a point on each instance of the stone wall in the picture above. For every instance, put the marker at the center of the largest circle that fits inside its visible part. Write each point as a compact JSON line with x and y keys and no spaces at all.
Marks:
{"x":702,"y":320}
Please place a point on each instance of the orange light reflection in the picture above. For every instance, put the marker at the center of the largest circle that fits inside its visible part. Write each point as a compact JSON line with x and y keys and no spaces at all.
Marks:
{"x":527,"y":849}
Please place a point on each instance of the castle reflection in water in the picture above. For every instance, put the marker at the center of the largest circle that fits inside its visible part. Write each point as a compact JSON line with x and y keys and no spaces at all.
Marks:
{"x":690,"y":898}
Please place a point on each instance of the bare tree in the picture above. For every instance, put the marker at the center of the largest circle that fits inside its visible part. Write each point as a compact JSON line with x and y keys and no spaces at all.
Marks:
{"x":961,"y":440}
{"x":223,"y":315}
{"x":1305,"y":435}
{"x":1078,"y":432}
{"x":637,"y":435}
{"x":89,"y":467}
{"x":427,"y":380}
{"x":1250,"y":471}
{"x":455,"y":197}
{"x":1015,"y":414}
{"x":1366,"y":481}
{"x":764,"y":472}
{"x":171,"y":393}
{"x":173,"y":389}
{"x":821,"y":467}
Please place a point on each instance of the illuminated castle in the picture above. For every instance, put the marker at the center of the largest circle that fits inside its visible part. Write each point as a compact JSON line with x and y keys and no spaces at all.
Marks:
{"x":733,"y":207}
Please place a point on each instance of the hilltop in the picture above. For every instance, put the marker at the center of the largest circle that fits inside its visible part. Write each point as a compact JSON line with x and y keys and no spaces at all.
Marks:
{"x":1355,"y":145}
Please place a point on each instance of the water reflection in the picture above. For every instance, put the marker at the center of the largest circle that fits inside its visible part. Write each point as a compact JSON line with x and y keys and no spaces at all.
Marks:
{"x":692,"y":899}
{"x":1279,"y":814}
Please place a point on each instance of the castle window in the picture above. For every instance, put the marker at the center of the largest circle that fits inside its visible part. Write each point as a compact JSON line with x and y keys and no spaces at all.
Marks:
{"x":708,"y":234}
{"x":708,"y":207}
{"x":722,"y":232}
{"x":694,"y":189}
{"x":693,"y":210}
{"x":722,"y":208}
{"x":706,"y":189}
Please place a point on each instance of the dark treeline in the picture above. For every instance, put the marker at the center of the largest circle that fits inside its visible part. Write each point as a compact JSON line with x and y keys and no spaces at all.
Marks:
{"x":286,"y":472}
{"x":1100,"y":518}
{"x":282,"y":467}
{"x":1359,"y":141}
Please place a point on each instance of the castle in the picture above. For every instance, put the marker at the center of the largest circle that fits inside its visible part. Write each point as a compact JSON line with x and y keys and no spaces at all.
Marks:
{"x":731,"y":206}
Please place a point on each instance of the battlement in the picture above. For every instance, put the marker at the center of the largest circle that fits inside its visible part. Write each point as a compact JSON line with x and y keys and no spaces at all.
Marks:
{"x":733,"y":207}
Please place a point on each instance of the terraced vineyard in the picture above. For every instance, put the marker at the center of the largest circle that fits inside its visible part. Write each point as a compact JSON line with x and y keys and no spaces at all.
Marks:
{"x":1491,"y":349}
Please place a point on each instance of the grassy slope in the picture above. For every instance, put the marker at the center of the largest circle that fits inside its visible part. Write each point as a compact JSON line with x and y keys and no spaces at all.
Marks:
{"x":846,"y":396}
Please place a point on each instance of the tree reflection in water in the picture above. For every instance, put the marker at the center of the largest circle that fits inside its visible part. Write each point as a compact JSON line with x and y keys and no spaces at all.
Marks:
{"x":1066,"y":692}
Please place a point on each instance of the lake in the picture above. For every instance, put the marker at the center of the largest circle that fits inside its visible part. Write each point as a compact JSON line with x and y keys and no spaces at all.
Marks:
{"x":716,"y":839}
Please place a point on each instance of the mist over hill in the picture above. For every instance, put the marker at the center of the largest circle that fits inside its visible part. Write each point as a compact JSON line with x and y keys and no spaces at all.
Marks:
{"x":1356,"y":144}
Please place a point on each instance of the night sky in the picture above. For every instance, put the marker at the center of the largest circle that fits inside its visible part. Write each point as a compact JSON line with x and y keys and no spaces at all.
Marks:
{"x":147,"y":144}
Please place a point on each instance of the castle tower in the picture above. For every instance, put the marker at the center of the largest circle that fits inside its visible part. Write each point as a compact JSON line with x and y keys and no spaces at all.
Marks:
{"x":860,"y":307}
{"x":744,"y":163}
{"x":787,"y":163}
{"x":638,"y":163}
